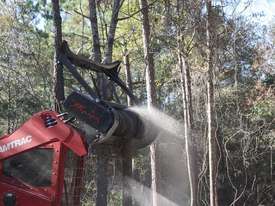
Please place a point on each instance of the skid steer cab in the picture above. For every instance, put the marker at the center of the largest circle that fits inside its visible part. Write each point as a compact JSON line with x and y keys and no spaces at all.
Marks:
{"x":41,"y":163}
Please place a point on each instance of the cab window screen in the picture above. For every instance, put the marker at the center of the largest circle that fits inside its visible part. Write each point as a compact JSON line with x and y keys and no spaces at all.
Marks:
{"x":33,"y":167}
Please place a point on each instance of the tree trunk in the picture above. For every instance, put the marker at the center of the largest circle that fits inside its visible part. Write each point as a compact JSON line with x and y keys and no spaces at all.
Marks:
{"x":127,"y":173}
{"x":149,"y":59}
{"x":102,"y":160}
{"x":105,"y":88}
{"x":107,"y":94}
{"x":127,"y":156}
{"x":102,"y":155}
{"x":190,"y":144}
{"x":128,"y":76}
{"x":211,"y":114}
{"x":191,"y":154}
{"x":58,"y":69}
{"x":9,"y":130}
{"x":151,"y":93}
{"x":112,"y":31}
{"x":96,"y":54}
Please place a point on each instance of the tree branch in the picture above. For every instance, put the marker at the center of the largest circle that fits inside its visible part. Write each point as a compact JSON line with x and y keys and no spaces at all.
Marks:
{"x":86,"y":63}
{"x":136,"y":12}
{"x":79,"y":13}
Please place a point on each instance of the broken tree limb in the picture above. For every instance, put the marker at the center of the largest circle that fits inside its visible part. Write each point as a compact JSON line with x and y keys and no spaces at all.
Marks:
{"x":110,"y":70}
{"x":86,"y":63}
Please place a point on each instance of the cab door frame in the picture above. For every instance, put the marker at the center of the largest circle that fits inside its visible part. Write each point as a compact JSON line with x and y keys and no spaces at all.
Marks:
{"x":51,"y":194}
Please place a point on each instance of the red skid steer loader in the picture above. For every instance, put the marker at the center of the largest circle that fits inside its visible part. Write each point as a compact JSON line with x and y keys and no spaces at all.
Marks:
{"x":42,"y":162}
{"x":33,"y":160}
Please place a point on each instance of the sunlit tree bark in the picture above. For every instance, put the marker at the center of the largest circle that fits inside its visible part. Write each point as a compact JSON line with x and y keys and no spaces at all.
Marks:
{"x":210,"y":109}
{"x":58,"y":69}
{"x":105,"y":90}
{"x":127,"y":156}
{"x":151,"y":92}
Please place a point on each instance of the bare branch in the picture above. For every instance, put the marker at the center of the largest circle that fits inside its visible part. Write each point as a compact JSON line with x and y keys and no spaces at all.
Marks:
{"x":136,"y":12}
{"x":81,"y":14}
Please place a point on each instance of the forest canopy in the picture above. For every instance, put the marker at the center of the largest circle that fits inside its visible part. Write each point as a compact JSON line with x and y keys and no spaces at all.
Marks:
{"x":213,"y":72}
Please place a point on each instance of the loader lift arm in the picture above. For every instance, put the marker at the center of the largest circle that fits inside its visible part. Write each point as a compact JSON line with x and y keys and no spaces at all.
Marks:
{"x":69,"y":59}
{"x":105,"y":122}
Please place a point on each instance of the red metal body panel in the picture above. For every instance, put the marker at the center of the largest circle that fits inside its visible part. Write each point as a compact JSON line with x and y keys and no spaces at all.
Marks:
{"x":25,"y":196}
{"x":34,"y":134}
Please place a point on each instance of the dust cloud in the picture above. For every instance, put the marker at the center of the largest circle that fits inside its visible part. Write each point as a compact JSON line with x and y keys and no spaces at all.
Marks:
{"x":168,"y":133}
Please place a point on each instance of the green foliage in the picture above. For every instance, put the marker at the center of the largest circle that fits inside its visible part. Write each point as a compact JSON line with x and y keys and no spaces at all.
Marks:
{"x":264,"y":109}
{"x":243,"y":114}
{"x":25,"y":67}
{"x":1,"y":132}
{"x":115,"y":199}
